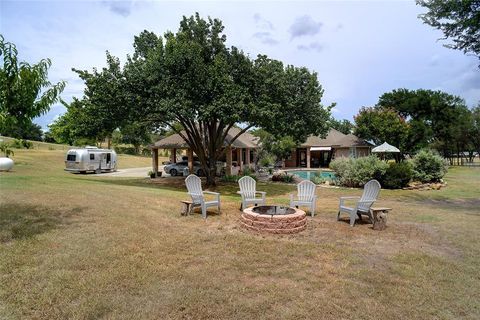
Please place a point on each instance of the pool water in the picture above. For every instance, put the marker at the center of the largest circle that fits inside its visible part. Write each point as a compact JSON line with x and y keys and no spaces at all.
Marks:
{"x":309,"y":174}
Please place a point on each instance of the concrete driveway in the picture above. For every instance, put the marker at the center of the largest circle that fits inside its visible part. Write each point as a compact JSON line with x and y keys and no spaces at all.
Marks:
{"x":130,"y":172}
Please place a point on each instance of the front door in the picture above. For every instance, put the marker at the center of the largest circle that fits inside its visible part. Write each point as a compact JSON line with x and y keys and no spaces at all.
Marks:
{"x":302,"y":158}
{"x":103,"y":161}
{"x":108,"y":160}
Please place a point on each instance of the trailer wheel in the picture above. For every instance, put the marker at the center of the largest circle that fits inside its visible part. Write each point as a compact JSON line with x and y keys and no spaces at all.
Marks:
{"x":173,"y":172}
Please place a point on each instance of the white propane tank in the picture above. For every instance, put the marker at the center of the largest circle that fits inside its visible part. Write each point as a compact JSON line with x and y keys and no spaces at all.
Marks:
{"x":6,"y":164}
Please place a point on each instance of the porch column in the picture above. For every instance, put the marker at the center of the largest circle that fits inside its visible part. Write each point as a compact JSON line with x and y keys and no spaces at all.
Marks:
{"x":173,"y":155}
{"x":190,"y":160}
{"x":155,"y":161}
{"x":239,"y":158}
{"x":228,"y":169}
{"x":247,"y":157}
{"x":308,"y":157}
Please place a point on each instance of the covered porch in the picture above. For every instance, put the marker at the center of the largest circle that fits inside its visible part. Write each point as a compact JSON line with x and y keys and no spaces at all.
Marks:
{"x":237,"y":155}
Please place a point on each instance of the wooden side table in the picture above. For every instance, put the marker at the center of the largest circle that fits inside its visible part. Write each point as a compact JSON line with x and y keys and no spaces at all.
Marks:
{"x":186,"y":208}
{"x":379,"y":215}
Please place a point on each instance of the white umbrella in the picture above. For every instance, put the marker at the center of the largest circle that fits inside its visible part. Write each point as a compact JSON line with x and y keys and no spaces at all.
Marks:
{"x":385,"y":148}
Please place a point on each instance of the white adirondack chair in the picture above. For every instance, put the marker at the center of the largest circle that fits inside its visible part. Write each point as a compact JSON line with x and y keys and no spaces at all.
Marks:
{"x":305,"y":196}
{"x":248,"y":191}
{"x":194,"y":187}
{"x":362,"y":204}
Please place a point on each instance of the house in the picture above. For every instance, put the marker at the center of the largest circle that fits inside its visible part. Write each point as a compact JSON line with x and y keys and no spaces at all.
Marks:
{"x":240,"y":153}
{"x":317,"y":152}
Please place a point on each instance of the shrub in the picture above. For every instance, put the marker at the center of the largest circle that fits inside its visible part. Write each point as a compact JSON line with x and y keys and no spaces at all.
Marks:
{"x":266,"y":161}
{"x":125,"y":150}
{"x":283,"y":177}
{"x":397,"y":176}
{"x":428,"y":166}
{"x":229,"y":178}
{"x":5,"y":148}
{"x":21,"y":144}
{"x":318,"y":179}
{"x":351,"y":172}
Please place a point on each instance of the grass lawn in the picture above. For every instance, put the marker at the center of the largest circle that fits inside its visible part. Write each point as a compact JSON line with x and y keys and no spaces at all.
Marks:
{"x":88,"y":247}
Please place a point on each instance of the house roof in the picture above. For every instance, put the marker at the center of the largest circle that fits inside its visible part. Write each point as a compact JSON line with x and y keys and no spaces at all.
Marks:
{"x":246,"y":140}
{"x":335,"y":138}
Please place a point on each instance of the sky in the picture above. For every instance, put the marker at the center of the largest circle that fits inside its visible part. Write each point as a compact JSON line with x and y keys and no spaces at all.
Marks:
{"x":359,"y":49}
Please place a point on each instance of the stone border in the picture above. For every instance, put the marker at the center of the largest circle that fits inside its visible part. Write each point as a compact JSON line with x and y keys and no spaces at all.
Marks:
{"x":274,"y":224}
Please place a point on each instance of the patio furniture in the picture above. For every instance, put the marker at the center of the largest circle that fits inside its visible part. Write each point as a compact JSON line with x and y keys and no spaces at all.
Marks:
{"x":194,"y":187}
{"x":305,"y":196}
{"x":248,"y":187}
{"x":362,"y":204}
{"x":379,"y":217}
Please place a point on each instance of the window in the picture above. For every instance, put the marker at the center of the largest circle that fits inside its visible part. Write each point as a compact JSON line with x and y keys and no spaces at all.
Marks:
{"x":353,"y":152}
{"x":92,"y":156}
{"x":71,"y":157}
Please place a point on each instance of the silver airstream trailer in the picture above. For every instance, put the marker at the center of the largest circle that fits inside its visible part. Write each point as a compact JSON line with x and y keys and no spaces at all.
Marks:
{"x":90,"y":159}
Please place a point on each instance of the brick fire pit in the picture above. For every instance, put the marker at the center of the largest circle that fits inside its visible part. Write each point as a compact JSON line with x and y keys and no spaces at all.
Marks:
{"x":274,"y":219}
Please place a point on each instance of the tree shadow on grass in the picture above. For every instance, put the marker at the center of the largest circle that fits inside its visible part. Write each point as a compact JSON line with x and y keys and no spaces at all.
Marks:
{"x":20,"y":221}
{"x":178,"y":184}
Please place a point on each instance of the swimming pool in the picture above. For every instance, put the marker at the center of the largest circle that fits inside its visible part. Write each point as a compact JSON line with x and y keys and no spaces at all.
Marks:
{"x":309,"y":174}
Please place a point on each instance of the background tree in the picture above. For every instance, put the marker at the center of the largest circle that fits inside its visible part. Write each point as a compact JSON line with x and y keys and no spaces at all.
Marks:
{"x":103,"y":107}
{"x":431,"y":115}
{"x":196,"y":81}
{"x":74,"y":127}
{"x":344,"y":126}
{"x":458,"y":20}
{"x":475,"y":129}
{"x":25,"y":92}
{"x":27,"y":130}
{"x":382,"y":125}
{"x":136,"y":134}
{"x":270,"y":146}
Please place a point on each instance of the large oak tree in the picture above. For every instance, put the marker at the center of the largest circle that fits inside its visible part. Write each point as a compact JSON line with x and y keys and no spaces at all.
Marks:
{"x":193,"y":79}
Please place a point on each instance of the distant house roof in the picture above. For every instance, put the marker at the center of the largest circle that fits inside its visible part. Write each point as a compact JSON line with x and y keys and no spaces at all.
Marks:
{"x":337,"y":139}
{"x":246,"y":140}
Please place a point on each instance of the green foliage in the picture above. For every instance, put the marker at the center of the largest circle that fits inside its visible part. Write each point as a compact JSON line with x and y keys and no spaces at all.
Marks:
{"x":21,"y":144}
{"x":475,"y":129}
{"x":26,"y":130}
{"x":344,"y":126}
{"x":136,"y":134}
{"x":318,"y":179}
{"x":266,"y":160}
{"x":125,"y":150}
{"x":283,"y":177}
{"x":272,"y":147}
{"x":397,"y":176}
{"x":81,"y":142}
{"x":25,"y":92}
{"x":432,"y":116}
{"x":458,"y":20}
{"x":192,"y":79}
{"x":5,"y":148}
{"x":382,"y":125}
{"x":355,"y":172}
{"x":103,"y":107}
{"x":234,"y":178}
{"x":428,"y":166}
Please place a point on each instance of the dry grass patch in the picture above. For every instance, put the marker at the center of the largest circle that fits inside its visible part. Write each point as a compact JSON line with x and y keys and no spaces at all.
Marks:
{"x":118,"y":249}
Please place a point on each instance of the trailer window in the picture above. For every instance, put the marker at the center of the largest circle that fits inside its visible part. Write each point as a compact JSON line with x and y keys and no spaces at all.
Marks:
{"x":92,"y":156}
{"x":71,"y":157}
